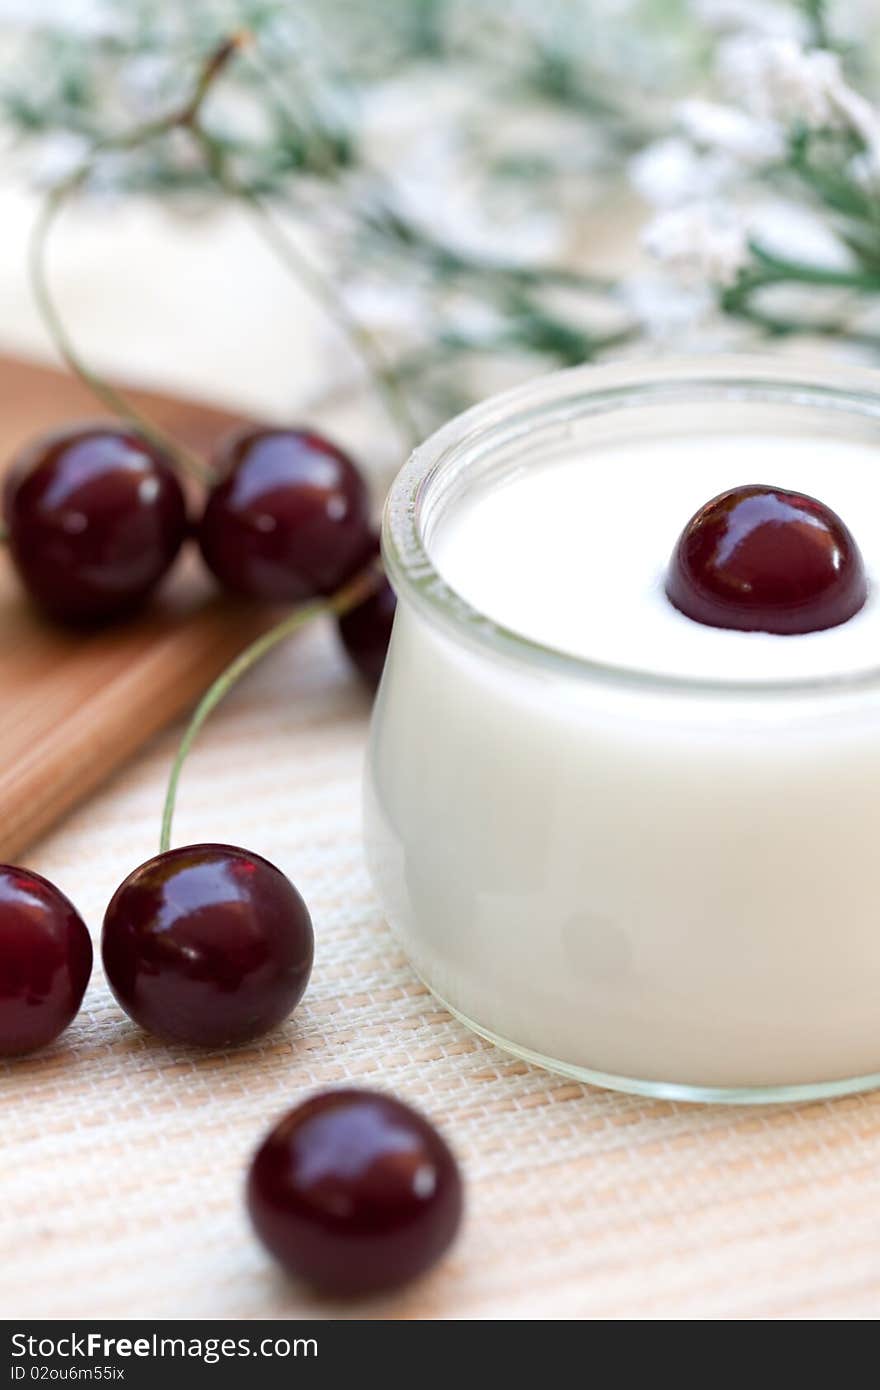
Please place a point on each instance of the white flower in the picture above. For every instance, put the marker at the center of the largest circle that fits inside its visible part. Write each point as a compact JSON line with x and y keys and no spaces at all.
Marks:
{"x":420,"y":132}
{"x":58,"y":155}
{"x":398,"y":311}
{"x":665,"y":309}
{"x":700,"y":242}
{"x":437,"y":188}
{"x":860,"y":115}
{"x":864,"y":170}
{"x":737,"y":133}
{"x":758,"y":16}
{"x":86,"y":17}
{"x":147,"y":80}
{"x":670,"y":172}
{"x":778,"y":80}
{"x":797,"y":233}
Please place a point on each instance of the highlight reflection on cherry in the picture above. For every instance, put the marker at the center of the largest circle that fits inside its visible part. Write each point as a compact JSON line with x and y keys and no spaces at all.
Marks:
{"x":288,"y":517}
{"x":365,"y":631}
{"x":96,"y":517}
{"x":207,"y":944}
{"x":763,"y":559}
{"x":355,"y":1192}
{"x":45,"y":961}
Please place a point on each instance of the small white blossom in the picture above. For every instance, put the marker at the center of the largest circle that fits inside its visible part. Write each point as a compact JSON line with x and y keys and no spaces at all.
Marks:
{"x":670,"y":172}
{"x":147,"y":81}
{"x":860,"y":115}
{"x":793,"y":232}
{"x":864,"y":171}
{"x":397,"y":311}
{"x":86,"y":17}
{"x":57,"y":157}
{"x":756,"y":16}
{"x":664,"y":309}
{"x":438,"y":189}
{"x":701,"y":242}
{"x":737,"y":133}
{"x":778,"y":80}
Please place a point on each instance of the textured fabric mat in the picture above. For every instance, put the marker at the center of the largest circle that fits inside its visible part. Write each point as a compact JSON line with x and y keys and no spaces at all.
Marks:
{"x":122,"y":1159}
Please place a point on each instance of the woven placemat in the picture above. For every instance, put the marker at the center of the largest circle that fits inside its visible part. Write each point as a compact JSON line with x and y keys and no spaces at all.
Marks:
{"x":123,"y":1160}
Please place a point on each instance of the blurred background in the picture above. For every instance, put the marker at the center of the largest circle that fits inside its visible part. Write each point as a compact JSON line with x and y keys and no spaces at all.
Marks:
{"x":425,"y":200}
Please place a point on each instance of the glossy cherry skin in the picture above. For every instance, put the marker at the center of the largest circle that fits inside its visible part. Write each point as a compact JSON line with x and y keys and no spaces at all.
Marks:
{"x":208,"y":945}
{"x":365,"y":631}
{"x":762,"y":559}
{"x":45,"y":961}
{"x":354,"y":1192}
{"x":95,"y":517}
{"x":288,"y":518}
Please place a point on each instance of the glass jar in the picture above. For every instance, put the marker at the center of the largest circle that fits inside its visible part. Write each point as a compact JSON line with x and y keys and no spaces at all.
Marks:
{"x":656,"y":883}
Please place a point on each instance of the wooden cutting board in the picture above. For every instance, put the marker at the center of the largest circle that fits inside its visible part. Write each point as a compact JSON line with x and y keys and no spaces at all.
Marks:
{"x":74,"y":706}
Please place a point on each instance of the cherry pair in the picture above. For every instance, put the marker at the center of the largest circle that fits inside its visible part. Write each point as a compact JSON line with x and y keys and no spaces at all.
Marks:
{"x":96,"y":517}
{"x":206,"y":945}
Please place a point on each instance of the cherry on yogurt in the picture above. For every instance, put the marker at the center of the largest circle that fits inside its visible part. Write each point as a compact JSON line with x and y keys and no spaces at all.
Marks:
{"x":763,"y":559}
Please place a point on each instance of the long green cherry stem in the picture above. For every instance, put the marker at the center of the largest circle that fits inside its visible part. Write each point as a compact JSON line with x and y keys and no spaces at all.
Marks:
{"x":355,"y":592}
{"x":183,"y":117}
{"x":115,"y":400}
{"x":188,"y":117}
{"x":318,"y":287}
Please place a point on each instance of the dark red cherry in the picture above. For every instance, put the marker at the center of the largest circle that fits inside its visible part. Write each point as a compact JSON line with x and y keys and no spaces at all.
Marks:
{"x":366,"y":630}
{"x":208,"y":945}
{"x":45,"y":961}
{"x":288,"y":517}
{"x":354,"y":1192}
{"x":95,"y":517}
{"x":762,"y":559}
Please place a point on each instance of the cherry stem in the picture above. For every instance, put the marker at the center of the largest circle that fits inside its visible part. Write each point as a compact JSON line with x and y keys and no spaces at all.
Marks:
{"x":318,"y":287}
{"x":351,"y":595}
{"x":185,"y":117}
{"x":115,"y":400}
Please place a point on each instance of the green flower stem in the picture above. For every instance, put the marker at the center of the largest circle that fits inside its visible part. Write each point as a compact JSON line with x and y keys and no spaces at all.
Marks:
{"x":817,"y":19}
{"x":351,"y":595}
{"x":777,"y":269}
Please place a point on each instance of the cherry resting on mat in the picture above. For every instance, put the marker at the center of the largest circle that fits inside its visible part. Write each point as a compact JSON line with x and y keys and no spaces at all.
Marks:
{"x":208,"y":945}
{"x":354,"y":1192}
{"x":762,"y":559}
{"x":288,"y":518}
{"x":45,"y":961}
{"x":95,"y":517}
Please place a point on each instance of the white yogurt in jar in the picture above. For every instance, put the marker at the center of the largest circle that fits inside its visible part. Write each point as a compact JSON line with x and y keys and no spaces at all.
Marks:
{"x":579,"y":563}
{"x":661,"y":870}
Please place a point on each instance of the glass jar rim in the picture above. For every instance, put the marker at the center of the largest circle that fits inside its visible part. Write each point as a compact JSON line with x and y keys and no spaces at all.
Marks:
{"x":571,"y":394}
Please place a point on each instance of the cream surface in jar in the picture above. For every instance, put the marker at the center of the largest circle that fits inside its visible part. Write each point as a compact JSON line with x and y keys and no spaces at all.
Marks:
{"x":622,"y":843}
